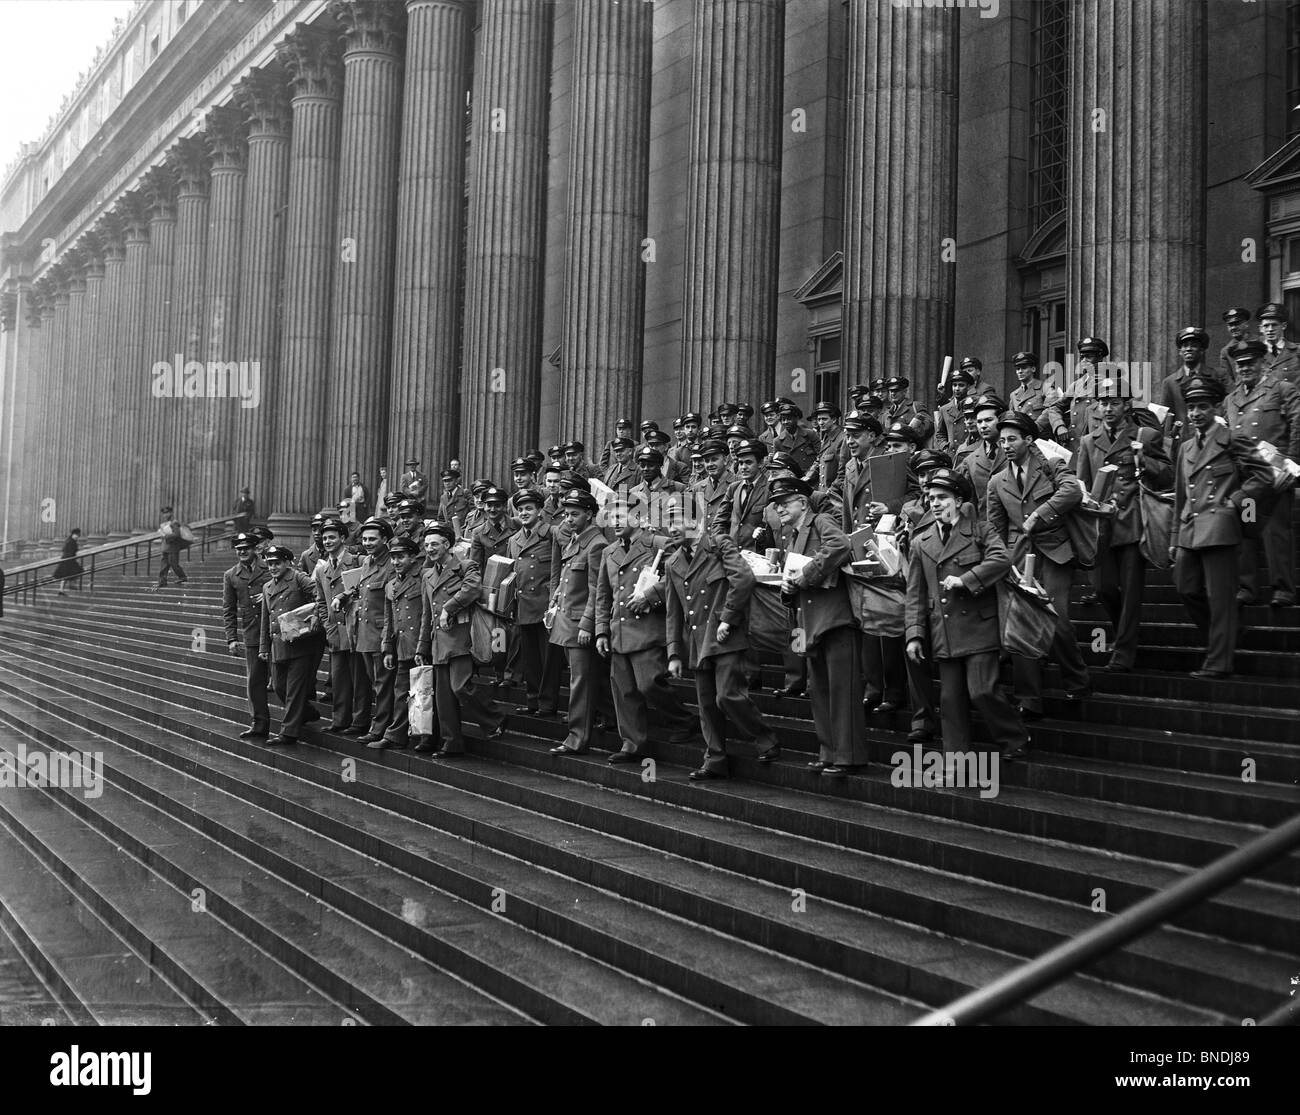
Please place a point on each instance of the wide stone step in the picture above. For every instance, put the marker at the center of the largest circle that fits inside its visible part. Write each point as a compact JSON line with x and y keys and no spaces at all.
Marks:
{"x":722,"y":973}
{"x":732,"y":902}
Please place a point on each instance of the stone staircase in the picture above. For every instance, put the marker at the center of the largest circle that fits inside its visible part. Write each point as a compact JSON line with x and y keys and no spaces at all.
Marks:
{"x":216,"y":880}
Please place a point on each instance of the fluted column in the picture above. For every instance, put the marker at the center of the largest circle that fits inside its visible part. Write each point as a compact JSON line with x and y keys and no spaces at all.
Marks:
{"x":604,"y":276}
{"x":85,"y":450}
{"x":361,"y":341}
{"x":1136,"y":246}
{"x":46,"y":422}
{"x":73,"y":383}
{"x":219,"y":344}
{"x":132,"y":370}
{"x":900,"y":193}
{"x":505,"y":235}
{"x":29,"y":362}
{"x":733,"y":217}
{"x":111,"y":387}
{"x":311,"y":58}
{"x":13,"y":382}
{"x":159,"y":343}
{"x":191,"y":158}
{"x":264,"y":98}
{"x":423,"y":409}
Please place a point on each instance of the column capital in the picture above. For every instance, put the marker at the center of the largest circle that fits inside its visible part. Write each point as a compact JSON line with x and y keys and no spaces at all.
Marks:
{"x":111,"y":232}
{"x":36,"y":306}
{"x":191,"y":160}
{"x":91,"y":246}
{"x":43,"y":296}
{"x":133,"y":210}
{"x":8,"y":307}
{"x":313,"y":61}
{"x":263,"y":96}
{"x":227,"y":134}
{"x":159,"y":187}
{"x":370,"y":26}
{"x":73,"y":262}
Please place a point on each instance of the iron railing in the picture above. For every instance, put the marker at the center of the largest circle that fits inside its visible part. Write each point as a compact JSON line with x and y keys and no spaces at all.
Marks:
{"x":1066,"y":959}
{"x":25,"y":581}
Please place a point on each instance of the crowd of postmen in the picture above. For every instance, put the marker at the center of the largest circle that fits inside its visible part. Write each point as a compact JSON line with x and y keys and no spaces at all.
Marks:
{"x":632,"y":589}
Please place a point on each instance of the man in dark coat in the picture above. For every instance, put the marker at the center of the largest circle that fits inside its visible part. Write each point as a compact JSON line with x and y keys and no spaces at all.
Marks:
{"x":350,"y":695}
{"x":824,"y":630}
{"x":1216,"y":477}
{"x":955,"y":564}
{"x":1027,"y":503}
{"x":241,"y":608}
{"x":1119,"y":574}
{"x":401,"y":636}
{"x":366,"y":623}
{"x":531,"y":549}
{"x":293,"y":662}
{"x":449,"y":589}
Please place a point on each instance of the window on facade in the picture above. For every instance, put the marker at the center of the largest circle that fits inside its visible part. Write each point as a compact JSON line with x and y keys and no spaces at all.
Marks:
{"x":153,"y":48}
{"x":181,"y":13}
{"x":826,"y":368}
{"x":1292,"y":70}
{"x":1049,"y":108}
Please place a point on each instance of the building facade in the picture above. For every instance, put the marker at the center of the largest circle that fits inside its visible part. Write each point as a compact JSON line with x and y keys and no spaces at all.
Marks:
{"x":271,"y":243}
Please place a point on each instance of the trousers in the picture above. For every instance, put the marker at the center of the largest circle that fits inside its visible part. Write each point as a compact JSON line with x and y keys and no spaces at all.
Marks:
{"x":1206,"y":583}
{"x":1027,"y":673}
{"x":722,"y":693}
{"x":639,"y":683}
{"x":379,"y":680}
{"x":974,"y":680}
{"x":255,"y":675}
{"x":457,"y":699}
{"x":834,"y":687}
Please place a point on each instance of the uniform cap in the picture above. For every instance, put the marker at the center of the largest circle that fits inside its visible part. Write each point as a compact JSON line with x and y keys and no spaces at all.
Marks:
{"x":752,"y":447}
{"x":623,"y":422}
{"x":527,"y":495}
{"x":678,"y":423}
{"x":745,"y":411}
{"x":570,"y":480}
{"x":964,"y":375}
{"x":783,"y":460}
{"x":771,"y":407}
{"x":901,"y":431}
{"x":648,"y":456}
{"x":855,"y":420}
{"x":658,"y":437}
{"x":784,"y":487}
{"x":317,"y":519}
{"x":445,"y":530}
{"x":410,"y":507}
{"x":1017,"y":420}
{"x":925,"y":459}
{"x":1273,"y":311}
{"x":1248,"y":350}
{"x":574,"y":447}
{"x":1195,"y":334}
{"x":494,"y":495}
{"x":1024,"y":358}
{"x":1202,"y":390}
{"x":789,"y":410}
{"x":827,"y":408}
{"x":381,"y":525}
{"x":947,"y":480}
{"x":412,"y":460}
{"x":712,"y":447}
{"x":649,"y":424}
{"x":1093,"y":346}
{"x":740,"y":430}
{"x":581,"y":501}
{"x":403,"y":544}
{"x":450,"y":474}
{"x":336,"y":524}
{"x":481,"y":485}
{"x":973,"y":362}
{"x":858,"y":390}
{"x":897,"y":383}
{"x":1235,"y":315}
{"x":989,"y":402}
{"x":523,"y":464}
{"x":278,"y":553}
{"x":262,"y":534}
{"x":244,"y":539}
{"x":621,"y":443}
{"x":693,"y":416}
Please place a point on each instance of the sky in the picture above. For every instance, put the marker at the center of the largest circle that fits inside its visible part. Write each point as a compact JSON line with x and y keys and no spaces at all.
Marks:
{"x":44,"y":45}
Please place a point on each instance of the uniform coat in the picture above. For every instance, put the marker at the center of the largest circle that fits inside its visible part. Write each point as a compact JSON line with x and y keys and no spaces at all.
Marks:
{"x":960,"y":627}
{"x":350,"y":696}
{"x":1050,"y":492}
{"x":803,"y":445}
{"x":294,"y":664}
{"x":740,"y":514}
{"x":1284,"y":365}
{"x":856,"y":496}
{"x":979,"y":466}
{"x":1041,"y":405}
{"x":490,"y":540}
{"x":637,"y":643}
{"x":912,"y":414}
{"x":539,"y":665}
{"x":619,"y":476}
{"x":453,"y":506}
{"x":826,"y":470}
{"x":1211,"y":483}
{"x":243,"y":619}
{"x":707,"y":584}
{"x":827,"y":635}
{"x":401,"y":639}
{"x":574,"y":579}
{"x":366,"y":628}
{"x":714,"y":493}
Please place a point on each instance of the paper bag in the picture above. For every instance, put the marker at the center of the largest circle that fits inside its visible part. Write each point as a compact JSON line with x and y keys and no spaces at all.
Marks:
{"x":420,"y":707}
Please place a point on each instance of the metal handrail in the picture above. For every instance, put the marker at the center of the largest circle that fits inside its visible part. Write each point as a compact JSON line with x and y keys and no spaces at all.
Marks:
{"x":1067,"y":958}
{"x":24,"y":580}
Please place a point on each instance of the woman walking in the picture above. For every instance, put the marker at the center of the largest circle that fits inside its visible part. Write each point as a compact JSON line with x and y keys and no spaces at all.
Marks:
{"x":69,"y":567}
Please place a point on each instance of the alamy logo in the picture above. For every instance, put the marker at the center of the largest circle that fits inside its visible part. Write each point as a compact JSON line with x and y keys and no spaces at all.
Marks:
{"x":64,"y":770}
{"x":131,"y":1070}
{"x":217,"y":379}
{"x":933,"y":770}
{"x":987,"y":8}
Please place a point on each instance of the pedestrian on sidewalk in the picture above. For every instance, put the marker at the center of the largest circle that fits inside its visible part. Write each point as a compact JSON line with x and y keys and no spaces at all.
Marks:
{"x":69,"y":567}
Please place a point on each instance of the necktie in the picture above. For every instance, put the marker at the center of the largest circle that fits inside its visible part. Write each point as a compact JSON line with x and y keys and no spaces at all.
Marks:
{"x":688,"y":551}
{"x":745,"y":489}
{"x":945,"y":529}
{"x":1020,"y":478}
{"x":437,"y":568}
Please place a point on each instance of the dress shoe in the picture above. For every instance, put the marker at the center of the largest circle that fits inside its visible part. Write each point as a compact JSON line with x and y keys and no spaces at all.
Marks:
{"x":830,"y":770}
{"x":254,"y":733}
{"x":1245,"y":597}
{"x":817,"y":764}
{"x":530,"y":710}
{"x":424,"y":746}
{"x":788,"y":691}
{"x":1282,"y":600}
{"x":1014,"y":754}
{"x":704,"y":774}
{"x":339,"y":728}
{"x":920,"y":735}
{"x":497,"y":732}
{"x":281,"y":741}
{"x":357,"y":731}
{"x":562,"y":750}
{"x":545,"y":711}
{"x":1210,"y":675}
{"x":885,"y":706}
{"x":1086,"y":598}
{"x":1079,"y":694}
{"x":369,"y":738}
{"x":624,"y":757}
{"x":770,"y":755}
{"x":377,"y":743}
{"x":455,"y":753}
